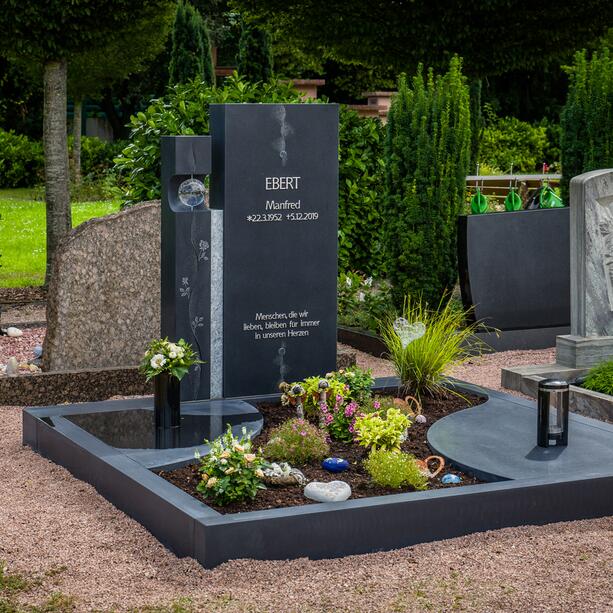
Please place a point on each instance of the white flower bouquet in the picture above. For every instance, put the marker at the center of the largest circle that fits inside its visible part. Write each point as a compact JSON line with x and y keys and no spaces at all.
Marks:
{"x":162,"y":356}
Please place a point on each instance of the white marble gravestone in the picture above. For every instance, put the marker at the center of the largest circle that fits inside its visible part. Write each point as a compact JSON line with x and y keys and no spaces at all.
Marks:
{"x":591,"y":268}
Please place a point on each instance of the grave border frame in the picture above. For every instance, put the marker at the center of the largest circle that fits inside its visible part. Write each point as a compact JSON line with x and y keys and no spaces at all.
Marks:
{"x":326,"y":530}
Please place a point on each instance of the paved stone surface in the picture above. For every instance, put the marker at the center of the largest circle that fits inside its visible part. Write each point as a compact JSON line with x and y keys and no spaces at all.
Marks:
{"x":499,"y":439}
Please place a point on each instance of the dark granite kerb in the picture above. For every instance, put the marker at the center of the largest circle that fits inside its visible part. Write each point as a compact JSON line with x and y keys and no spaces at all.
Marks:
{"x":191,"y":528}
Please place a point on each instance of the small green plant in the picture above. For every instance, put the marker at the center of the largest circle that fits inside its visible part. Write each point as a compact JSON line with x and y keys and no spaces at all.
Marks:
{"x":377,"y":431}
{"x":362,"y":301}
{"x":296,"y":441}
{"x":164,"y":356}
{"x":231,"y":471}
{"x":448,"y":341}
{"x":396,"y":470}
{"x":600,"y":378}
{"x":358,"y":381}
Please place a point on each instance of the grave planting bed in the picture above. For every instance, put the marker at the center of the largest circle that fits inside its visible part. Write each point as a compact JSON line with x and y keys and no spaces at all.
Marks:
{"x":581,"y":489}
{"x":187,"y":477}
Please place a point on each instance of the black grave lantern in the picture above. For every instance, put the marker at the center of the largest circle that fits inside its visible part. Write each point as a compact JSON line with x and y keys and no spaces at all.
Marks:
{"x":552,"y":412}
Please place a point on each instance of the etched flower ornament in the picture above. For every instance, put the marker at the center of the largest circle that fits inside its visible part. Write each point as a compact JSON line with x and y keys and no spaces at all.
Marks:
{"x":407,"y":332}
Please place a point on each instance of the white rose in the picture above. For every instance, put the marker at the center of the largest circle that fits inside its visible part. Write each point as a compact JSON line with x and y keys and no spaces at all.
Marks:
{"x":361,"y":296}
{"x":348,"y":281}
{"x":172,"y":355}
{"x":368,"y":281}
{"x":157,"y":361}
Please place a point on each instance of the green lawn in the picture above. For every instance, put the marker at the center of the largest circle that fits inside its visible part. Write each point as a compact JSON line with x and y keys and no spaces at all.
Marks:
{"x":22,"y":233}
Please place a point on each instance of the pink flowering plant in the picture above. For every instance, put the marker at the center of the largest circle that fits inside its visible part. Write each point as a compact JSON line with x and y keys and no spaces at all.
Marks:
{"x":298,"y":442}
{"x":339,"y":419}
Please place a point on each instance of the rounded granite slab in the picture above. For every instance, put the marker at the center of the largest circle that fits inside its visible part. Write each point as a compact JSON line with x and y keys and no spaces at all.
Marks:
{"x":497,"y":441}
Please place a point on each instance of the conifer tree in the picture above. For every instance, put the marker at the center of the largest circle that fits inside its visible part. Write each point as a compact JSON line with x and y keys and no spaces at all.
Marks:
{"x":255,"y":53}
{"x":427,"y":153}
{"x":587,"y":118}
{"x":191,"y":49}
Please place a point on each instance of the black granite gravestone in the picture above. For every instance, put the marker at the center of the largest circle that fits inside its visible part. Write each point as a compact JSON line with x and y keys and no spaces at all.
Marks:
{"x":186,"y":265}
{"x":251,"y":282}
{"x":275,"y":174}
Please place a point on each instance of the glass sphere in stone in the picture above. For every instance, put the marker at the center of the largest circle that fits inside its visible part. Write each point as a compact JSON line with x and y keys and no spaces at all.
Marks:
{"x":192,"y":193}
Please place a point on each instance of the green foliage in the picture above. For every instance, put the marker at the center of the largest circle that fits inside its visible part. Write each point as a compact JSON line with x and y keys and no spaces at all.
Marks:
{"x":310,"y":392}
{"x":97,"y":155}
{"x":377,"y":431}
{"x":448,"y":341}
{"x":339,"y":419}
{"x":402,"y":34}
{"x":164,"y":356}
{"x":587,"y":117}
{"x":21,"y":160}
{"x":296,"y":441}
{"x":230,"y":472}
{"x":600,"y":378}
{"x":508,"y":141}
{"x":358,"y":381}
{"x":427,"y":154}
{"x":363,"y":302}
{"x":254,"y":53}
{"x":185,"y":110}
{"x":390,"y":469}
{"x":361,"y":183}
{"x":190,"y":57}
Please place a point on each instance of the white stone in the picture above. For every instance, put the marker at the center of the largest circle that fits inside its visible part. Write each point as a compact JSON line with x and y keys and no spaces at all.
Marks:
{"x":13,"y":332}
{"x":334,"y":491}
{"x":12,"y":366}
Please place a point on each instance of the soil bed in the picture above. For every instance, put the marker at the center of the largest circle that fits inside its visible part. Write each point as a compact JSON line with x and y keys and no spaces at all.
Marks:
{"x":187,"y":478}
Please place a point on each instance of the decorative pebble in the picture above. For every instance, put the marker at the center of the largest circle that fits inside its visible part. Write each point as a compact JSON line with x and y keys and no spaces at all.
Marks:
{"x":13,"y":332}
{"x":335,"y":465}
{"x":335,"y":491}
{"x":283,"y":474}
{"x":421,"y":419}
{"x":450,"y":478}
{"x":37,"y":351}
{"x":12,"y":366}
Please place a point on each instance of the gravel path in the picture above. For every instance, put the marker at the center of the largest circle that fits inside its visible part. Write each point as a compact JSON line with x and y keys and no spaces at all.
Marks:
{"x":21,"y":346}
{"x":51,"y":523}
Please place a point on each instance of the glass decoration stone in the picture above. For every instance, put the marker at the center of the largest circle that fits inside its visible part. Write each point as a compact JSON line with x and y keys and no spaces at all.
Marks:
{"x":193,"y":193}
{"x":335,"y":465}
{"x":451,"y":479}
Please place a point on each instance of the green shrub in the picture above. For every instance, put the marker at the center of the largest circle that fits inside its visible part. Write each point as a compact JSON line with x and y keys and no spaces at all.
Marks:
{"x":448,"y":341}
{"x":362,"y":301}
{"x":358,"y":381}
{"x":254,"y":53}
{"x":361,"y":185}
{"x":21,"y":160}
{"x":190,"y":55}
{"x":230,"y":472}
{"x":378,"y":431}
{"x":296,"y":441}
{"x":390,"y":469}
{"x":97,"y":156}
{"x":508,"y":141}
{"x":185,"y":110}
{"x":427,"y":153}
{"x":600,"y":378}
{"x":587,"y":118}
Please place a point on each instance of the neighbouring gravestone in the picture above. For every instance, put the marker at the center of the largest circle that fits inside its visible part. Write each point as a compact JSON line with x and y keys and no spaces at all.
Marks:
{"x":103,"y":304}
{"x":251,"y":281}
{"x":591,"y":248}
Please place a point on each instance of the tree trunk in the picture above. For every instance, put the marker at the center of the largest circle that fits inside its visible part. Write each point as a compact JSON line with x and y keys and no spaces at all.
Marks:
{"x":57,"y":194}
{"x":76,"y":135}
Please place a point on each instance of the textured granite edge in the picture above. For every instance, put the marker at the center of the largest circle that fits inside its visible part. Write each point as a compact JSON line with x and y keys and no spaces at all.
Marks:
{"x":57,"y":387}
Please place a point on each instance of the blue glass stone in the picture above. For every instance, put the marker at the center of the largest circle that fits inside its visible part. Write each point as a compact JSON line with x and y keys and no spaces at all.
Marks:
{"x":450,"y":478}
{"x":335,"y":465}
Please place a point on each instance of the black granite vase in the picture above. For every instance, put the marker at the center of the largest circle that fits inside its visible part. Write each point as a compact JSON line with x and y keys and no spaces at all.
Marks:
{"x":167,"y":401}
